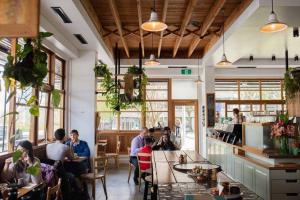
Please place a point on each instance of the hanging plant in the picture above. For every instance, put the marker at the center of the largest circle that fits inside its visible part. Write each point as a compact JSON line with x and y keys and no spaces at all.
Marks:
{"x":131,"y":97}
{"x":101,"y":70}
{"x":291,"y":83}
{"x":28,"y":69}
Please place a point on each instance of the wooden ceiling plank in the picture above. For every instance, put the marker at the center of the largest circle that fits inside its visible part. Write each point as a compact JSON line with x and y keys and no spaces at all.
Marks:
{"x":88,"y":6}
{"x":213,"y":12}
{"x":116,"y":16}
{"x":164,"y":16}
{"x":185,"y":21}
{"x":228,"y":22}
{"x":139,"y":8}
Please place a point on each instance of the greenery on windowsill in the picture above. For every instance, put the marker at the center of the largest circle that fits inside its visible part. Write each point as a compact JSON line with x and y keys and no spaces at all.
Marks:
{"x":291,"y":84}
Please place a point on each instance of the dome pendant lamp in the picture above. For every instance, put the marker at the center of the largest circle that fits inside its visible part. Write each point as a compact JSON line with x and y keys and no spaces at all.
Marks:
{"x":154,"y":25}
{"x":273,"y":25}
{"x":224,"y":62}
{"x":152,"y":60}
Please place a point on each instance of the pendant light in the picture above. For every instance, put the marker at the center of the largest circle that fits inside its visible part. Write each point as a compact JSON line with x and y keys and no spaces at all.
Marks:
{"x":273,"y":24}
{"x":224,"y":62}
{"x":154,"y":25}
{"x":152,"y":60}
{"x":198,"y":81}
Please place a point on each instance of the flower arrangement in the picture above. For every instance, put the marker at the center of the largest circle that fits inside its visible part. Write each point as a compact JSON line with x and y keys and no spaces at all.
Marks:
{"x":282,"y":130}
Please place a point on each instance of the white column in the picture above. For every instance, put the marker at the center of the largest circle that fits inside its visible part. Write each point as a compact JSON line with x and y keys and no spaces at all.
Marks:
{"x":82,"y":96}
{"x":208,"y":86}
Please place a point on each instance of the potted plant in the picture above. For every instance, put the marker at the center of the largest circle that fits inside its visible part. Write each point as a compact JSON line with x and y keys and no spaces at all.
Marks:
{"x":101,"y":70}
{"x":291,"y":83}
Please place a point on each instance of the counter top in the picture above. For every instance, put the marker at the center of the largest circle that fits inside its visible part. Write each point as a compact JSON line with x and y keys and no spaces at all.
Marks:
{"x":269,"y":154}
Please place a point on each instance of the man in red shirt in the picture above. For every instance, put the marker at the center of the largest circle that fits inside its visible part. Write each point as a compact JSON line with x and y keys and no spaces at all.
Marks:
{"x":146,"y":149}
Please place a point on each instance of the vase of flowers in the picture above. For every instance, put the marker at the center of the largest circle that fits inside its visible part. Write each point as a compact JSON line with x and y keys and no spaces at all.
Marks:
{"x":282,"y":130}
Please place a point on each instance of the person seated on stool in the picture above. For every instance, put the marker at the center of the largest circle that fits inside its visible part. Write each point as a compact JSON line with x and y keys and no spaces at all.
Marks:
{"x":80,"y":148}
{"x":145,"y":166}
{"x":137,"y":144}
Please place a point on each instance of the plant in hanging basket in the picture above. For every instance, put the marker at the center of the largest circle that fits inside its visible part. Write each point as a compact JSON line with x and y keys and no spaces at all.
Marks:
{"x":135,"y":70}
{"x":101,"y":70}
{"x":291,"y":83}
{"x":296,"y":73}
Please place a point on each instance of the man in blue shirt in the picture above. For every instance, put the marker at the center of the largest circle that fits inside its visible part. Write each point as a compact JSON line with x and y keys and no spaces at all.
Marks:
{"x":79,"y":147}
{"x":137,"y":144}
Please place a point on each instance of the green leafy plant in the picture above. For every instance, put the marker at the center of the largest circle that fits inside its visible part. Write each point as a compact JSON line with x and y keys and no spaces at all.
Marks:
{"x":291,"y":84}
{"x":101,"y":70}
{"x":16,"y":155}
{"x":135,"y":70}
{"x":34,"y":169}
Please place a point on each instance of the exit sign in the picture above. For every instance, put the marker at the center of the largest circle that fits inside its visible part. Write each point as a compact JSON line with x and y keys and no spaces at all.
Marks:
{"x":186,"y":71}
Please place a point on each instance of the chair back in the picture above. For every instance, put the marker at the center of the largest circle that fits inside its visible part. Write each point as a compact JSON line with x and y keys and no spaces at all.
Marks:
{"x":54,"y":191}
{"x":146,"y":161}
{"x":118,"y":147}
{"x":100,"y":147}
{"x":99,"y":164}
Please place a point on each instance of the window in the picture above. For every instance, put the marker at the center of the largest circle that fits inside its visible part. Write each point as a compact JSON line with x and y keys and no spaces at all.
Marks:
{"x":249,"y":96}
{"x":157,"y":103}
{"x":157,"y":96}
{"x":28,"y":127}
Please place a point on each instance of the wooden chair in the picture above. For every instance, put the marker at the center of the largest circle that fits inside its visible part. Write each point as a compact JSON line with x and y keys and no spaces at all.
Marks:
{"x":130,"y":166}
{"x":54,"y":191}
{"x":148,"y":161}
{"x":115,"y":155}
{"x":99,"y":164}
{"x":101,"y":147}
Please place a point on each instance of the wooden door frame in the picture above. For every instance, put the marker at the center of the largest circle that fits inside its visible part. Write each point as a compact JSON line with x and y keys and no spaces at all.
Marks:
{"x":186,"y":102}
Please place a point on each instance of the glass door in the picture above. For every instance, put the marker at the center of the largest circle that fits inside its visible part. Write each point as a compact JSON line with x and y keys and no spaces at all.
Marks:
{"x":186,"y":125}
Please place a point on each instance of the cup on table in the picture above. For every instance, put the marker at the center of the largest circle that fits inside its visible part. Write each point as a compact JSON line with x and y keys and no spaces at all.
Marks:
{"x":75,"y":155}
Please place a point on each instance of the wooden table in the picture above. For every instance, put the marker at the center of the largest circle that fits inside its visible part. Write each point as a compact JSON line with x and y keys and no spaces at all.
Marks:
{"x":78,"y":159}
{"x":24,"y":190}
{"x":170,"y":184}
{"x":163,"y":166}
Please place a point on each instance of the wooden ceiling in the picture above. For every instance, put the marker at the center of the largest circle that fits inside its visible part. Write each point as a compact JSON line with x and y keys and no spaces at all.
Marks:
{"x":193,"y":25}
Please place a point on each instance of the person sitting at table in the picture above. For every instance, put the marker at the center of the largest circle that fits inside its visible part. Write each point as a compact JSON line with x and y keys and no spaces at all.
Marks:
{"x":137,"y":144}
{"x":18,"y":170}
{"x":164,"y":143}
{"x":80,"y":147}
{"x":59,"y":150}
{"x":151,"y":134}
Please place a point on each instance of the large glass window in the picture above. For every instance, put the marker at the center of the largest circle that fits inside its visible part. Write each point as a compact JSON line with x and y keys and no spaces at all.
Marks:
{"x":249,"y":96}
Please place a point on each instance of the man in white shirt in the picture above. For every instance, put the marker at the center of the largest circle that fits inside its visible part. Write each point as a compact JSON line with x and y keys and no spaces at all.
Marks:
{"x":58,"y":150}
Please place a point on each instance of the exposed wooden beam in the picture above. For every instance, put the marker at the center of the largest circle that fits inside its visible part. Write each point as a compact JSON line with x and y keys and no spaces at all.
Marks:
{"x":213,"y":12}
{"x":139,"y":8}
{"x":228,"y":22}
{"x":116,"y":16}
{"x":164,"y":16}
{"x":88,"y":6}
{"x":185,"y":21}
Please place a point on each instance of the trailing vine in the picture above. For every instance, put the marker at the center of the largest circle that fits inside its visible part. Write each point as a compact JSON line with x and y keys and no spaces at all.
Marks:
{"x":28,"y":69}
{"x":291,"y":83}
{"x":116,"y":101}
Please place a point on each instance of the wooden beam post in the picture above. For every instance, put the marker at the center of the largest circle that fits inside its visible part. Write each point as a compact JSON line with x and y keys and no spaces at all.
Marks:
{"x":185,"y":21}
{"x":139,"y":8}
{"x":213,"y":12}
{"x":164,"y":16}
{"x":116,"y":16}
{"x":12,"y":104}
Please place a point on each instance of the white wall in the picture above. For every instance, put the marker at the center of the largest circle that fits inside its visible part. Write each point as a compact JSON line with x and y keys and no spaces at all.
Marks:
{"x":184,"y":89}
{"x":82,"y":96}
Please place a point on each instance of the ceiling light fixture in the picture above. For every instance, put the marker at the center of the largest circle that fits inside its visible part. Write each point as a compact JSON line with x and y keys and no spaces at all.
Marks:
{"x":273,"y":24}
{"x":224,"y":62}
{"x":152,"y":60}
{"x":198,"y":81}
{"x":154,"y":25}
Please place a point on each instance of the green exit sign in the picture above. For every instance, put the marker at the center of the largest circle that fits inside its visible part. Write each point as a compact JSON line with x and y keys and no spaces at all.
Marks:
{"x":186,"y":71}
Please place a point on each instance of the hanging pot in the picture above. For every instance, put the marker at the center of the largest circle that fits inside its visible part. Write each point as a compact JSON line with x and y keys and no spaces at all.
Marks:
{"x":129,"y":85}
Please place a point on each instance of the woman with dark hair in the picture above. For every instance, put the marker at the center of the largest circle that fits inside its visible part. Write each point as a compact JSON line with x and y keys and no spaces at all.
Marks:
{"x":18,"y":170}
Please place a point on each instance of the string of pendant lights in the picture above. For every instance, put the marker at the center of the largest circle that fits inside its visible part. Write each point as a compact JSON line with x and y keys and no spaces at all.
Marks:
{"x":153,"y":25}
